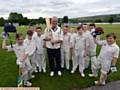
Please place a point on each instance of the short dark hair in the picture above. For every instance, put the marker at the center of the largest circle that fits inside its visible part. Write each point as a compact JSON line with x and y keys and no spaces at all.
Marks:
{"x":18,"y":35}
{"x":79,"y":27}
{"x":84,"y":24}
{"x":111,"y":35}
{"x":30,"y":32}
{"x":66,"y":26}
{"x":39,"y":28}
{"x":92,"y":24}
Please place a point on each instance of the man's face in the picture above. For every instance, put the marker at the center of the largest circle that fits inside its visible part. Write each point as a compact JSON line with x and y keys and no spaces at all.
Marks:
{"x":110,"y":40}
{"x":20,"y":40}
{"x":54,"y":23}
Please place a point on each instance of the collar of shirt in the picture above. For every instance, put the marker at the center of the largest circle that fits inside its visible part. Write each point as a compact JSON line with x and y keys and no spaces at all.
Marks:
{"x":18,"y":44}
{"x":54,"y":29}
{"x":80,"y":35}
{"x":112,"y":45}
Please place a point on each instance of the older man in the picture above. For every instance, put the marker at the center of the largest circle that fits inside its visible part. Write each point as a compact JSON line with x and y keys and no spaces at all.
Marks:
{"x":54,"y":38}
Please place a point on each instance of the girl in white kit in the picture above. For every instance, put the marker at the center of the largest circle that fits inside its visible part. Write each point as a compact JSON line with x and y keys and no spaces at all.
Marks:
{"x":40,"y":50}
{"x":107,"y":58}
{"x":79,"y":47}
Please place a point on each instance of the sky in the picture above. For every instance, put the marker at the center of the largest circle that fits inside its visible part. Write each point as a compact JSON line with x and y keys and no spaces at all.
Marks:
{"x":60,"y":8}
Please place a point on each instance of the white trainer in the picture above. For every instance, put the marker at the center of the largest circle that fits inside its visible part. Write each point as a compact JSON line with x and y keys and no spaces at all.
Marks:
{"x":36,"y":71}
{"x":51,"y":74}
{"x":39,"y":69}
{"x":59,"y":73}
{"x":82,"y":75}
{"x":33,"y":76}
{"x":92,"y":75}
{"x":72,"y":71}
{"x":98,"y":83}
{"x":44,"y":70}
{"x":28,"y":84}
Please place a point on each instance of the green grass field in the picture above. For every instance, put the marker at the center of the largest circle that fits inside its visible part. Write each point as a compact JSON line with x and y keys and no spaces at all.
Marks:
{"x":8,"y":69}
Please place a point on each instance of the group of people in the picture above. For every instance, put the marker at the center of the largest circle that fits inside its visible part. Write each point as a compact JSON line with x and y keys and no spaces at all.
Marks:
{"x":62,"y":46}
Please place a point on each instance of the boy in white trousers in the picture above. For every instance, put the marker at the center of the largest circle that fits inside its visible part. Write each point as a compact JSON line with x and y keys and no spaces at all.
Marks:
{"x":22,"y":59}
{"x":88,"y":36}
{"x":40,"y":50}
{"x":79,"y":47}
{"x":73,"y":33}
{"x":107,"y":58}
{"x":92,"y":49}
{"x":30,"y":43}
{"x":65,"y":49}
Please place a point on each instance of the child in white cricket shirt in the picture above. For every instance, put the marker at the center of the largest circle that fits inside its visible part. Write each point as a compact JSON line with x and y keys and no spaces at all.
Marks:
{"x":79,"y":47}
{"x":65,"y":49}
{"x":88,"y":36}
{"x":40,"y":50}
{"x":30,"y":43}
{"x":107,"y":58}
{"x":23,"y":61}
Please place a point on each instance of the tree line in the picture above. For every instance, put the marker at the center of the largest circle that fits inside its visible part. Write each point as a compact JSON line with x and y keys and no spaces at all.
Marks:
{"x":15,"y":17}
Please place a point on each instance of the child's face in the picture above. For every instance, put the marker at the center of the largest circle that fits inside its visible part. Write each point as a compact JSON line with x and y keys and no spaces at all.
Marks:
{"x":91,"y":27}
{"x":29,"y":37}
{"x":39,"y":32}
{"x":80,"y":31}
{"x":110,"y":40}
{"x":20,"y":40}
{"x":65,"y":30}
{"x":85,"y":27}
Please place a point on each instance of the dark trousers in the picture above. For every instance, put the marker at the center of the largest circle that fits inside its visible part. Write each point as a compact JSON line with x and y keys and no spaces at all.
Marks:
{"x":54,"y":57}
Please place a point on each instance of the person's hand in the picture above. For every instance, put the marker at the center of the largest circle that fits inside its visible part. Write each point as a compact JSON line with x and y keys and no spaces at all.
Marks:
{"x":47,"y":39}
{"x":85,"y":54}
{"x":5,"y":36}
{"x":113,"y":68}
{"x":24,"y":57}
{"x":53,"y":42}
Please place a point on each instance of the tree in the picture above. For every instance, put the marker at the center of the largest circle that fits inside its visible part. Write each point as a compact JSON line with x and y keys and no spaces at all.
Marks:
{"x":111,"y":20}
{"x":41,"y":20}
{"x":98,"y":20}
{"x":15,"y":17}
{"x":65,"y":19}
{"x":2,"y":21}
{"x":25,"y":21}
{"x":33,"y":22}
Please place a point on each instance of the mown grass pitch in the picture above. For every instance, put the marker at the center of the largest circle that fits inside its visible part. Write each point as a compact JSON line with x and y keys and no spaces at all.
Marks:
{"x":8,"y":69}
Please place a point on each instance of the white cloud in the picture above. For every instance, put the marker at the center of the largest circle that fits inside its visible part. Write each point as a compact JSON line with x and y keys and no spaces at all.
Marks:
{"x":100,"y":10}
{"x":72,"y":8}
